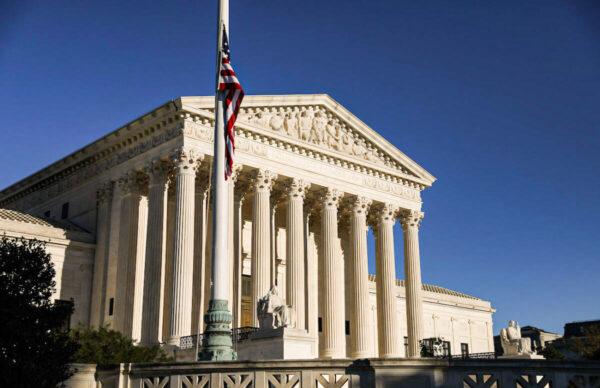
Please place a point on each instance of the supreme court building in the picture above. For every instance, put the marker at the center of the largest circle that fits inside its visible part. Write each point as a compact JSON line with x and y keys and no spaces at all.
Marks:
{"x":127,"y":220}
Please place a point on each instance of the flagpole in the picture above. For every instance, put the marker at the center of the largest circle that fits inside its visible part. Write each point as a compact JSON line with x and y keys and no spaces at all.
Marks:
{"x":217,"y":343}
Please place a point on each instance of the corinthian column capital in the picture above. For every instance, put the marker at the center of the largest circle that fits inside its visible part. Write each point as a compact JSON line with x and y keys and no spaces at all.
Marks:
{"x":158,"y":171}
{"x":104,"y":192}
{"x":132,"y":182}
{"x":263,"y":180}
{"x":186,"y":160}
{"x":296,"y":188}
{"x":235,"y":173}
{"x":382,"y":213}
{"x":330,"y":198}
{"x":411,"y":219}
{"x":360,"y":205}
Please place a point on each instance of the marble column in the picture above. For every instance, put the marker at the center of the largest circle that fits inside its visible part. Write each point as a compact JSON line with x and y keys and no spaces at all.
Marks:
{"x":156,"y":241}
{"x":241,"y":190}
{"x":98,"y":301}
{"x":411,"y":221}
{"x":131,"y":185}
{"x":186,"y":162}
{"x":385,"y":267}
{"x":201,"y":293}
{"x":311,"y":284}
{"x":295,"y":254}
{"x":357,"y":264}
{"x":232,"y":187}
{"x":261,"y":238}
{"x":332,"y":343}
{"x":140,"y":265}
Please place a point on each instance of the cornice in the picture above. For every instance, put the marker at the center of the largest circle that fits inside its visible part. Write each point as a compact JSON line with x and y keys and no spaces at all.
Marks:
{"x":178,"y":117}
{"x":138,"y":136}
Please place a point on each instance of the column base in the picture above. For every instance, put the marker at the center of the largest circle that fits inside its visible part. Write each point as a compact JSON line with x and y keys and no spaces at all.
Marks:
{"x":217,"y":344}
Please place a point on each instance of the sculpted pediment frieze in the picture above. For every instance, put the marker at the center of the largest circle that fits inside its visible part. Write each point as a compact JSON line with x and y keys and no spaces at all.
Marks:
{"x":321,"y":123}
{"x":318,"y":126}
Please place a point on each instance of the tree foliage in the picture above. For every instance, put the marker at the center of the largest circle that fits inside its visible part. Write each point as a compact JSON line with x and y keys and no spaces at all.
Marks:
{"x":35,"y":348}
{"x":587,"y":346}
{"x":105,"y":347}
{"x":551,"y":353}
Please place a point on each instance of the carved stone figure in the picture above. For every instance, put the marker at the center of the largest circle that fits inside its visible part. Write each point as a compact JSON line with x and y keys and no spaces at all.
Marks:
{"x":262,"y":119}
{"x":318,"y":128}
{"x":512,"y":343}
{"x":276,"y":122}
{"x":272,"y":312}
{"x":306,"y":119}
{"x":291,"y":123}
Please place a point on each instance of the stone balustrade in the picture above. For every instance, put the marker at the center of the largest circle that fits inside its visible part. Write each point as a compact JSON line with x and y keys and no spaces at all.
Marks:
{"x":425,"y":373}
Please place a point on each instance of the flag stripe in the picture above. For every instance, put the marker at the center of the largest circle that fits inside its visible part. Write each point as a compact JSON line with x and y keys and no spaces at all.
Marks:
{"x":234,"y":94}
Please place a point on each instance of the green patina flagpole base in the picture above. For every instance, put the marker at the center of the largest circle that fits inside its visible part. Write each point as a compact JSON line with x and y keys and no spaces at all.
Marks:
{"x":217,"y":344}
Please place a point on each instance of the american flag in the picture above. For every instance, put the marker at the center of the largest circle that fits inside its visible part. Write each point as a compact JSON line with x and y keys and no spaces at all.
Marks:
{"x":229,"y":84}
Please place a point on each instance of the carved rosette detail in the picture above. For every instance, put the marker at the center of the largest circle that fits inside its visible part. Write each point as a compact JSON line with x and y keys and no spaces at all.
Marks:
{"x":264,"y":180}
{"x":411,"y":219}
{"x":186,"y":160}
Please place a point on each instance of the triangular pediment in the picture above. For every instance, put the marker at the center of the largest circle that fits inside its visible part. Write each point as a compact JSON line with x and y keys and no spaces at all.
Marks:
{"x":320,"y":121}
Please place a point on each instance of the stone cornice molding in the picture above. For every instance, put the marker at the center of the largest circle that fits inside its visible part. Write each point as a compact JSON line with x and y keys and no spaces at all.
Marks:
{"x":181,"y":118}
{"x":411,"y":219}
{"x":140,"y":135}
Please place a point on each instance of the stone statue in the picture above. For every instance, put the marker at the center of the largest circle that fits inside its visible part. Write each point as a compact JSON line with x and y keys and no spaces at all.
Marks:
{"x":272,"y":312}
{"x":512,"y":343}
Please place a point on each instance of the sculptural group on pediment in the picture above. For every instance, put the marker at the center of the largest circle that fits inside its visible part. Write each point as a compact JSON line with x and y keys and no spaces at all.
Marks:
{"x":314,"y":125}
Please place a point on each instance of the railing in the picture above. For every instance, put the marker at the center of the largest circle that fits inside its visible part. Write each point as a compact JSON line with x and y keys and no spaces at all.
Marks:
{"x":467,"y":356}
{"x":238,"y":334}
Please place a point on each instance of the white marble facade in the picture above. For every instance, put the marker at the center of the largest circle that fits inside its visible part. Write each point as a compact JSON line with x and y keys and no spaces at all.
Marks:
{"x":310,"y":181}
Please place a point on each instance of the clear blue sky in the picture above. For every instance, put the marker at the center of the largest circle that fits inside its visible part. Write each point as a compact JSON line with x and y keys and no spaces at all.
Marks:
{"x":499,"y":101}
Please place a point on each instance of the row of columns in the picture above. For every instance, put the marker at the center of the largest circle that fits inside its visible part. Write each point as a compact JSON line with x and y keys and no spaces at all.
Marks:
{"x":333,"y":265}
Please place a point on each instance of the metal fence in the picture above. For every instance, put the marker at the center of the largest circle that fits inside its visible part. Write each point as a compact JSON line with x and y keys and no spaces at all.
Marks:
{"x":238,"y":334}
